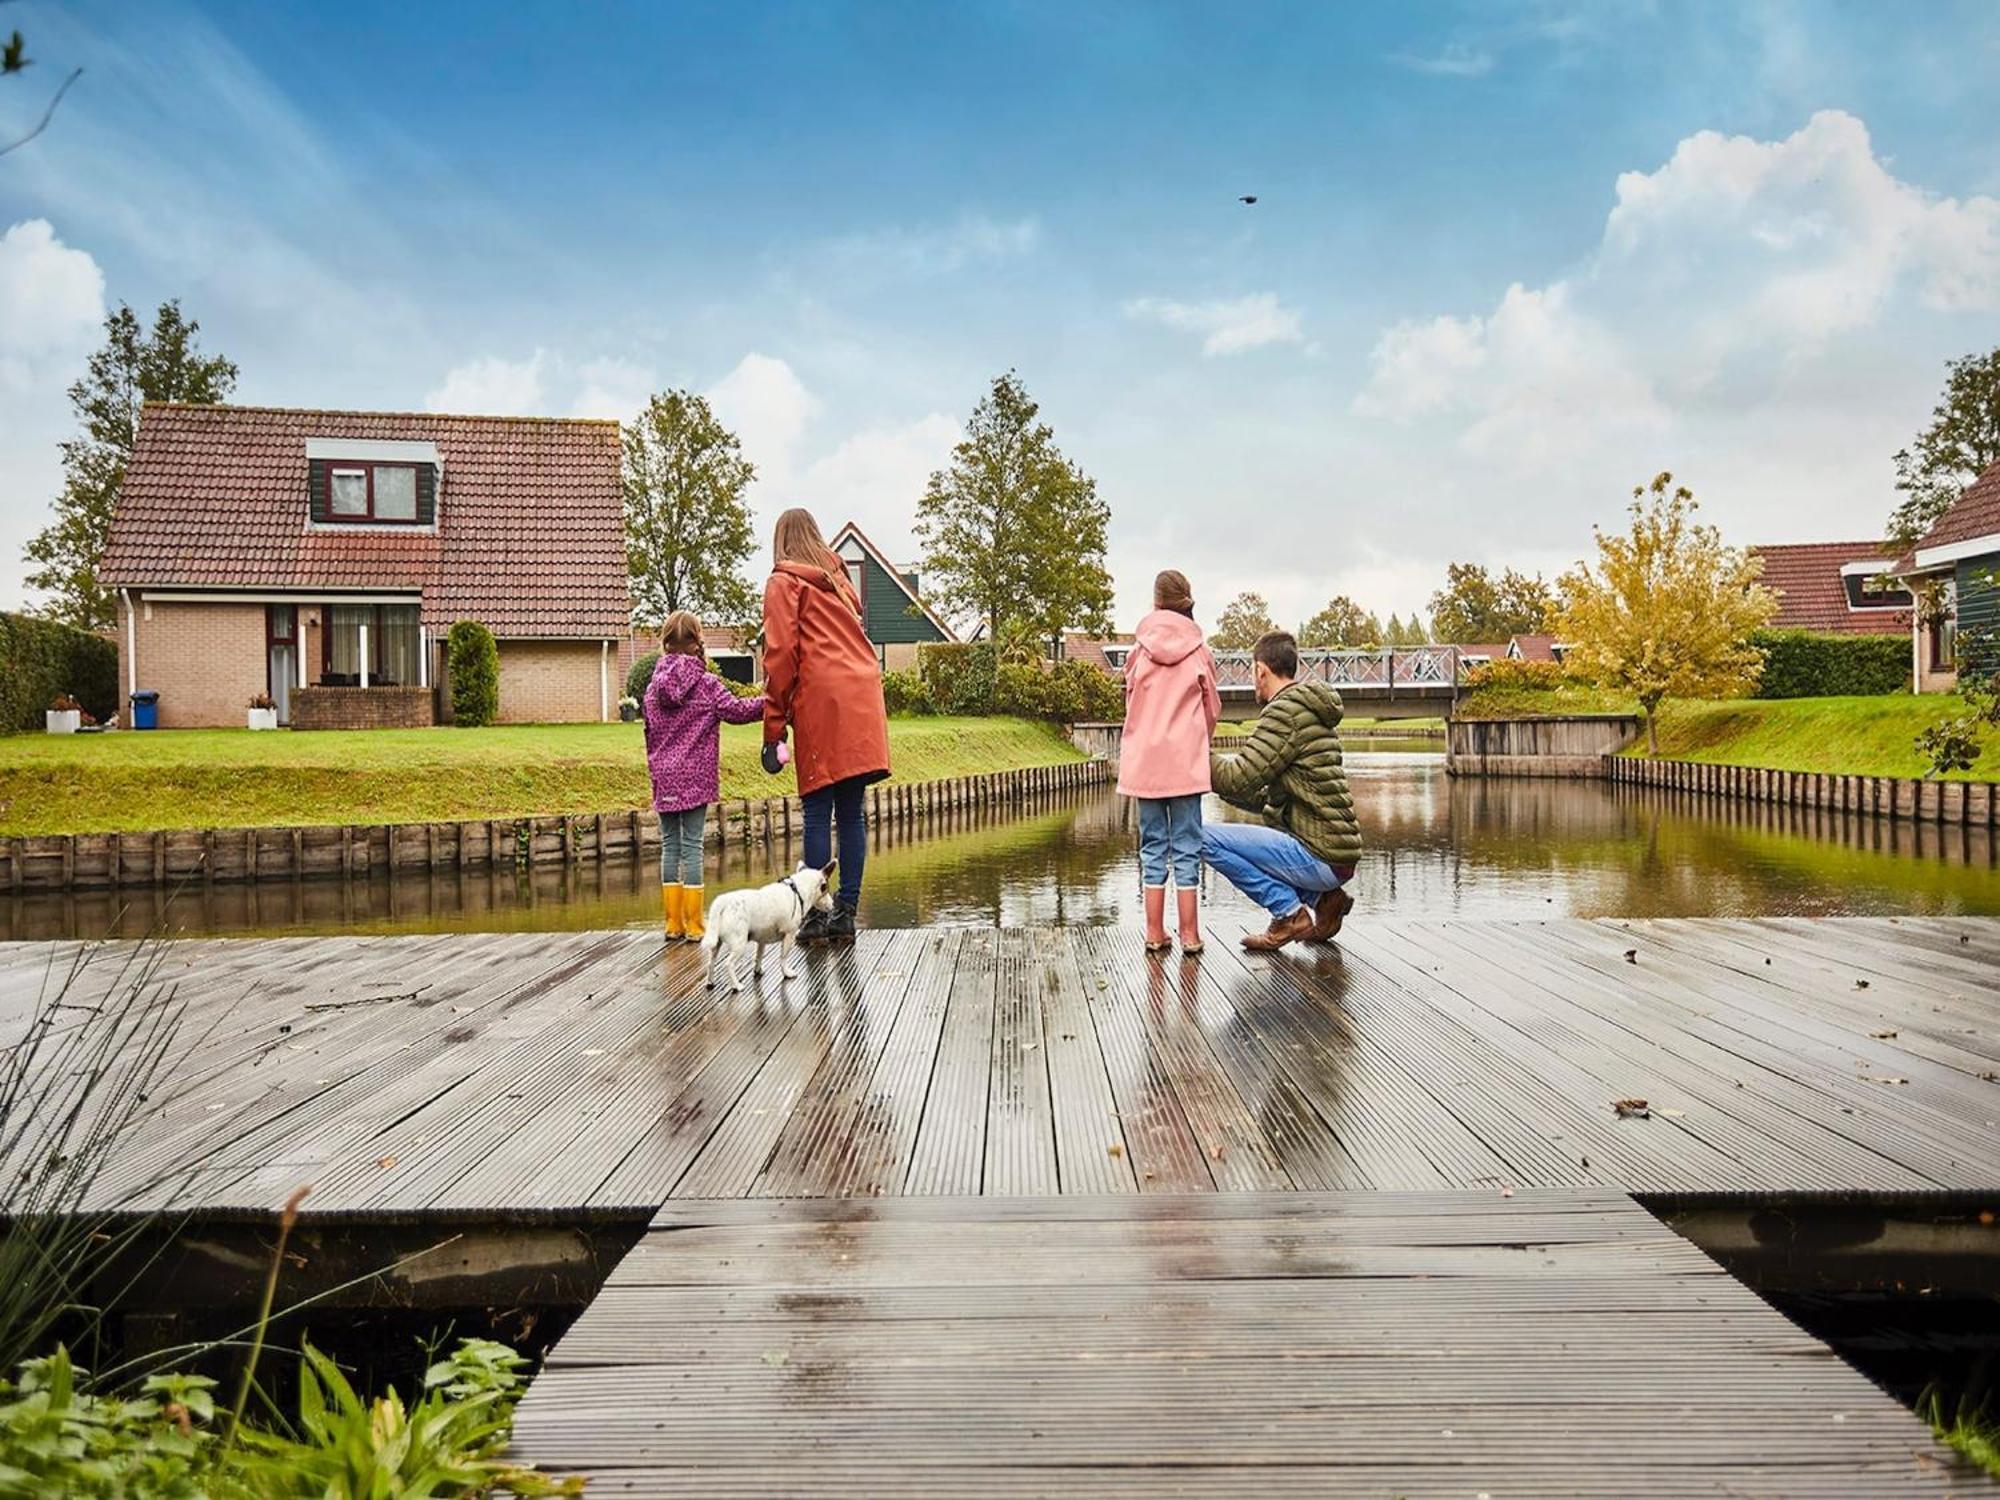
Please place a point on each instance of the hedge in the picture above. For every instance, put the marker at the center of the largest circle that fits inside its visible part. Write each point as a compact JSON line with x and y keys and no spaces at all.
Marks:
{"x":1810,"y":664}
{"x":40,"y":660}
{"x":641,"y":675}
{"x":960,"y":679}
{"x":475,"y":674}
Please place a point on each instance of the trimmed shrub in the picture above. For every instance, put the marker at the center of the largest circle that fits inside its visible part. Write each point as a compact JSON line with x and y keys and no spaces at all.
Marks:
{"x":41,"y":660}
{"x":640,"y":675}
{"x":1079,"y":693}
{"x":1519,"y":676}
{"x":958,"y":678}
{"x":1809,"y":664}
{"x":475,"y":674}
{"x":904,"y":693}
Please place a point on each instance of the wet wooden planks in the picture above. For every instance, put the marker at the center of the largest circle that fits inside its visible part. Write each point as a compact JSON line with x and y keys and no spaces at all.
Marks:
{"x":565,"y":1072}
{"x":1558,"y":1342}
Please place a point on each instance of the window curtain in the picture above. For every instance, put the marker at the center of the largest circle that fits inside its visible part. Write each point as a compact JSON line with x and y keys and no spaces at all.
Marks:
{"x":396,"y":656}
{"x":344,"y":640}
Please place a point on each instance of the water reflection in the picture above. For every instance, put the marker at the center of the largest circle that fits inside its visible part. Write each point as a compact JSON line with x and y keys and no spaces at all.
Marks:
{"x":1437,"y":847}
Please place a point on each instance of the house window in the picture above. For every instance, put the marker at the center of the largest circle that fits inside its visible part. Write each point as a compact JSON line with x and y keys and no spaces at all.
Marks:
{"x":372,"y":492}
{"x":1873,"y":591}
{"x":857,"y":579}
{"x":394,"y":641}
{"x":1944,"y":644}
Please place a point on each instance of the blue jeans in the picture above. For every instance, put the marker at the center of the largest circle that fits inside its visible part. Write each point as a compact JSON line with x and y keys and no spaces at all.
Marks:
{"x":680,"y":846}
{"x":1170,"y":834}
{"x":845,"y":803}
{"x":1268,"y":865}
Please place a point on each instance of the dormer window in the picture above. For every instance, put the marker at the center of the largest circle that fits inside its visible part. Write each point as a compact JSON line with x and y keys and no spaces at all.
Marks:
{"x":358,"y":482}
{"x":372,"y":492}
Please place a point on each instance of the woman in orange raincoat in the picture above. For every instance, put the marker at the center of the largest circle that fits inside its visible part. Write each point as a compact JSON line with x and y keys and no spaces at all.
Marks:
{"x":822,"y":681}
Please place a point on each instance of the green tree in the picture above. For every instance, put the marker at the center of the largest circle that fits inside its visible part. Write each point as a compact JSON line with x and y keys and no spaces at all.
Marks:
{"x":132,"y":368}
{"x":1242,"y":620}
{"x":687,"y":527}
{"x":1961,"y":441}
{"x":1474,"y":608}
{"x":1668,"y":610}
{"x":1405,"y":633}
{"x":1341,"y":623}
{"x":1012,"y":530}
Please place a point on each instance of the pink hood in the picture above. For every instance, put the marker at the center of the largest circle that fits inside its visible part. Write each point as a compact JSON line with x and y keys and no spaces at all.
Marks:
{"x":1171,"y":705}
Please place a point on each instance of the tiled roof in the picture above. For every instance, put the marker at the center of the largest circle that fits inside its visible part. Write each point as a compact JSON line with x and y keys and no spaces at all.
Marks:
{"x":1080,"y":647}
{"x":1533,"y":647}
{"x":1975,"y":513}
{"x":1812,"y":595}
{"x":529,"y":541}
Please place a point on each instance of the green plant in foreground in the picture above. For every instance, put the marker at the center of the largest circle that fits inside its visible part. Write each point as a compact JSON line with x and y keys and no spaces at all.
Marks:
{"x":1969,"y":1431}
{"x":56,"y":1438}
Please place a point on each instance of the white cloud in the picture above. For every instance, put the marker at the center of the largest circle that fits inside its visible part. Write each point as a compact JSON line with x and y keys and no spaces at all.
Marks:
{"x":876,"y":476}
{"x":51,"y":306}
{"x":491,"y":387}
{"x":1740,"y":276}
{"x":1229,"y":327}
{"x":765,"y":403}
{"x":1455,"y":60}
{"x":613,"y":388}
{"x":936,"y":249}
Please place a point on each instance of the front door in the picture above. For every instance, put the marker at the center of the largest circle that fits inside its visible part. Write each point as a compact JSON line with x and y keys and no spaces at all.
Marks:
{"x":281,"y":626}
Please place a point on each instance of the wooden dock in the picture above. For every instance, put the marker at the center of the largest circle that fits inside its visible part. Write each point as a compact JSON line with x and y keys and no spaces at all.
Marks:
{"x":1025,"y":1212}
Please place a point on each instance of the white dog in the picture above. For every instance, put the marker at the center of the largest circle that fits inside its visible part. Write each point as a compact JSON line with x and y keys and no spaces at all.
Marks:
{"x":767,"y":915}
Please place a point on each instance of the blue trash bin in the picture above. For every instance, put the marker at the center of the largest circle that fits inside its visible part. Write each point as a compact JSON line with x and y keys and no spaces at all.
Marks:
{"x":146,"y":709}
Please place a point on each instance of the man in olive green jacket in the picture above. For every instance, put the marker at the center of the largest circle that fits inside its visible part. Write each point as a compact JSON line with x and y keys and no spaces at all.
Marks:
{"x":1295,"y":862}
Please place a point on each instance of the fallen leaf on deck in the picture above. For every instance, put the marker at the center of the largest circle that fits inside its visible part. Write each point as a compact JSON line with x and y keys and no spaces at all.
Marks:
{"x":1882,"y":1036}
{"x":776,"y":1358}
{"x":1115,"y":1149}
{"x":1631,"y":955}
{"x":1630,"y":1109}
{"x":1215,"y":1153}
{"x":1861,"y":984}
{"x":1506,"y":1192}
{"x":386,"y":1162}
{"x":1891,"y":1080}
{"x":1029,"y":1046}
{"x":1989,"y":1077}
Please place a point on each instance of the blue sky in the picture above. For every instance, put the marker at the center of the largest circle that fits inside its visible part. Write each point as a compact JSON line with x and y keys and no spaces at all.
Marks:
{"x":1507,"y":261}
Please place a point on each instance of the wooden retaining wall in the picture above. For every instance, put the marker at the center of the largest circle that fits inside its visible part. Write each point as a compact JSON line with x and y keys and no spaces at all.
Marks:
{"x":1963,"y":804}
{"x":1572,"y":746}
{"x":168,"y":856}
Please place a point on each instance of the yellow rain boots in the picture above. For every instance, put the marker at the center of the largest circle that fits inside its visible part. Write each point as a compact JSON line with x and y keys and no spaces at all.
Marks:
{"x":670,"y":903}
{"x":691,"y":921}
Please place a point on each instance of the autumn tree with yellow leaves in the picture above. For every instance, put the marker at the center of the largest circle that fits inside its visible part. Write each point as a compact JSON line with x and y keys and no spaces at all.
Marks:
{"x":1668,"y":610}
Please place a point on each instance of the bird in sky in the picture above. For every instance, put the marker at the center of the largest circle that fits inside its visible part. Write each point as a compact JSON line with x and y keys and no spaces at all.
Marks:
{"x":1247,"y":198}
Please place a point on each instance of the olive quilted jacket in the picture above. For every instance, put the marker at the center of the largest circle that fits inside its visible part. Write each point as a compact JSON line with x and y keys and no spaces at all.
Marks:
{"x":1292,"y":773}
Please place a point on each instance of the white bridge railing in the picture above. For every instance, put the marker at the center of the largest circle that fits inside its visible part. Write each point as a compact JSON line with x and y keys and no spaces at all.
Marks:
{"x":1417,"y":668}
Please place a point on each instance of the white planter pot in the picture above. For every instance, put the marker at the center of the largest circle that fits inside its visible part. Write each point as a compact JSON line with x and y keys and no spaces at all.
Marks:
{"x":63,"y":720}
{"x":263,"y":718}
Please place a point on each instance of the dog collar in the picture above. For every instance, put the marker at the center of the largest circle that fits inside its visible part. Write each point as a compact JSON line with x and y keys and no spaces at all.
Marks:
{"x":797,"y":896}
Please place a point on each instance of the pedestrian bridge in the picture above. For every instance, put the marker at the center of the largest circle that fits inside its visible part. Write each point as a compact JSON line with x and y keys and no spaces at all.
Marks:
{"x":1403,"y":682}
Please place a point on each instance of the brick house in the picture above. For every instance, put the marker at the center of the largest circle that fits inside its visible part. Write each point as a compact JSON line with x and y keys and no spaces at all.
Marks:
{"x":1839,"y":587}
{"x":895,"y":616}
{"x":320,"y":557}
{"x":1955,"y":562}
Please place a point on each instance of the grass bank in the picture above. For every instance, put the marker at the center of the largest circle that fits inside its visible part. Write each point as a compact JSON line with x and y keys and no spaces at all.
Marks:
{"x":225,"y":778}
{"x":1873,"y":736}
{"x":1852,"y":736}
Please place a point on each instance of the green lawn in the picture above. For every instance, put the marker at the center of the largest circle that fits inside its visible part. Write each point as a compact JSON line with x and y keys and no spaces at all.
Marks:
{"x":1853,"y":736}
{"x":224,"y":778}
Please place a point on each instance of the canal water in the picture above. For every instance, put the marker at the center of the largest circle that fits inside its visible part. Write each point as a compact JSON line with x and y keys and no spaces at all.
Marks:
{"x":1437,"y":847}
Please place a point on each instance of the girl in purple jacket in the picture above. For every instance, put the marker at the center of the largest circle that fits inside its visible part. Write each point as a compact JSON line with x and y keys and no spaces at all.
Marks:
{"x":685,"y":707}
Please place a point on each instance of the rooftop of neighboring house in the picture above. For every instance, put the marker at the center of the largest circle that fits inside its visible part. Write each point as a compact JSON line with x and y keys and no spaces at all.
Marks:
{"x":850,"y":537}
{"x":1965,"y":530}
{"x":1834,"y":586}
{"x":1078,"y":646}
{"x":512,"y":521}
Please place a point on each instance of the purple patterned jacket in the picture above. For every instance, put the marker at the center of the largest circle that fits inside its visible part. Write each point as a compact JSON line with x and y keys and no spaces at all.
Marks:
{"x":684,"y":709}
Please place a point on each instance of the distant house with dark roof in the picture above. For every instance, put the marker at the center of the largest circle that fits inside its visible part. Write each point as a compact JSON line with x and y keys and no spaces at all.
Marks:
{"x":320,"y":557}
{"x":1105,"y":651}
{"x":893,"y":613}
{"x":1956,"y":559}
{"x":1514,"y":648}
{"x":1839,"y":587}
